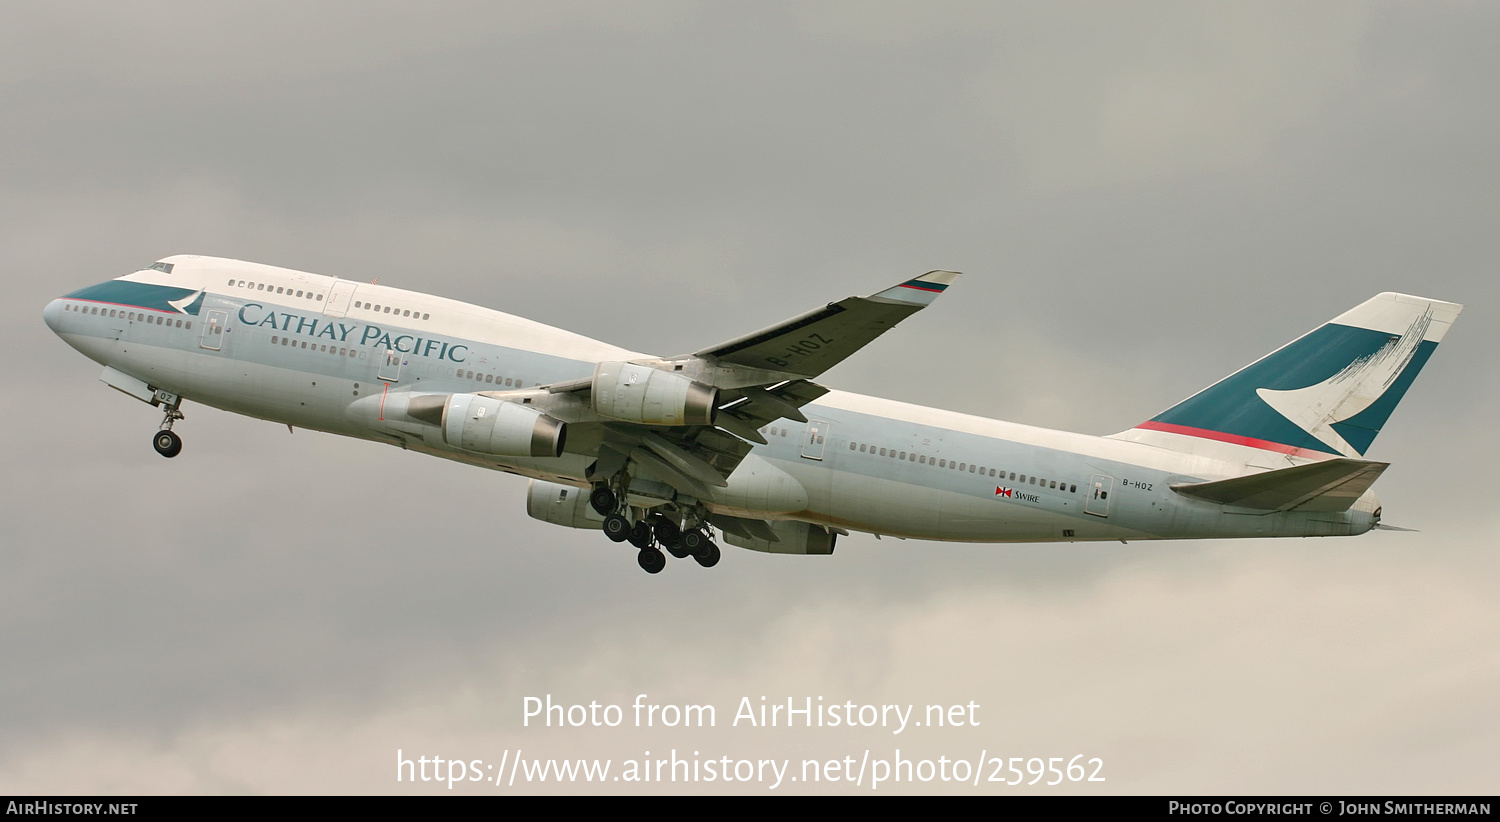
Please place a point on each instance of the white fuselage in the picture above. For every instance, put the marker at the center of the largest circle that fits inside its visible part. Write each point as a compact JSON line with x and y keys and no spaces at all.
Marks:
{"x":316,"y":360}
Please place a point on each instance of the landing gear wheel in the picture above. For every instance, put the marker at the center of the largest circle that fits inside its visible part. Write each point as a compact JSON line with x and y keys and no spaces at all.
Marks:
{"x":167,"y":444}
{"x":603,"y":500}
{"x":708,"y":556}
{"x":667,"y":532}
{"x":651,"y":560}
{"x":677,"y":551}
{"x":640,"y":536}
{"x":693,"y":540}
{"x":616,"y":527}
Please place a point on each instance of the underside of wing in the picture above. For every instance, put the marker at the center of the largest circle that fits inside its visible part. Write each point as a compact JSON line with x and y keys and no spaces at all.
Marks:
{"x":694,"y":459}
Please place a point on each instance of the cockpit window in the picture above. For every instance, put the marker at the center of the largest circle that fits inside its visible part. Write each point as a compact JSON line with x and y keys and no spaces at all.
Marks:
{"x":165,"y":268}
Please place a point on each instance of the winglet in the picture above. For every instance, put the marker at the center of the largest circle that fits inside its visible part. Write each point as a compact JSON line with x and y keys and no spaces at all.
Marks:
{"x":920,"y":291}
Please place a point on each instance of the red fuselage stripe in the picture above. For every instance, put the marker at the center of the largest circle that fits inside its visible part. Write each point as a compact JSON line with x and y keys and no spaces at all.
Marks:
{"x":1235,"y":439}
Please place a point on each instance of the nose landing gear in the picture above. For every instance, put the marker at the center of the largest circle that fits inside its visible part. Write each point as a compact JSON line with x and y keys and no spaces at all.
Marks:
{"x":167,"y":444}
{"x":165,"y":441}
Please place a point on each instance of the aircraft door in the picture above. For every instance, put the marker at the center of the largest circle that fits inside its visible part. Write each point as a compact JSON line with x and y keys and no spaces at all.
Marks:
{"x":1098,"y":500}
{"x":339,"y":298}
{"x":391,"y":361}
{"x":812,"y":442}
{"x":213,"y":330}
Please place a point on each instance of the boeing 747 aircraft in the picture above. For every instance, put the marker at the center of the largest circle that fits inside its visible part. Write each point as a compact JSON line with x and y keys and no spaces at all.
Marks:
{"x":738,"y":437}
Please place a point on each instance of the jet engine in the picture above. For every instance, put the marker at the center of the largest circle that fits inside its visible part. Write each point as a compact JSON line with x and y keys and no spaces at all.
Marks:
{"x":650,"y":396}
{"x":492,"y":426}
{"x":561,"y":505}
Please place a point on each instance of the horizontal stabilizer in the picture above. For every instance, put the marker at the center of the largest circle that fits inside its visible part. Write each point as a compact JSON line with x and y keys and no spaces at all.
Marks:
{"x":1327,"y":486}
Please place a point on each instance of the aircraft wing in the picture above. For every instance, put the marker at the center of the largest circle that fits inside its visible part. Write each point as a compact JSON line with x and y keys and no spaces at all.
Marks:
{"x":760,"y":378}
{"x":808,"y":345}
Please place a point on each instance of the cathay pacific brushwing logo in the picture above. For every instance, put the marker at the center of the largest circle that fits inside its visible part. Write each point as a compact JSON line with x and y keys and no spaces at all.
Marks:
{"x":1317,"y":408}
{"x":189,"y":304}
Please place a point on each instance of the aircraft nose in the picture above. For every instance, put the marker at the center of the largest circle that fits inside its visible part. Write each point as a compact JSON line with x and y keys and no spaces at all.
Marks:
{"x":52,"y":314}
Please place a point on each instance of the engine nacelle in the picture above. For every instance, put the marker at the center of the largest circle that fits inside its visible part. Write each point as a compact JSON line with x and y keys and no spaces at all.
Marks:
{"x":561,"y":505}
{"x":492,"y":426}
{"x":795,"y":538}
{"x":650,"y":396}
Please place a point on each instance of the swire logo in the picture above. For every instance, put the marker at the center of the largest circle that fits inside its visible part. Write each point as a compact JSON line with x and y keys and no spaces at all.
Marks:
{"x":1001,"y":491}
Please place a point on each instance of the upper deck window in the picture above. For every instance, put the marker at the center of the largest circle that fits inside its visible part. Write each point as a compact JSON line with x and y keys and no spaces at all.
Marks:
{"x":165,"y":268}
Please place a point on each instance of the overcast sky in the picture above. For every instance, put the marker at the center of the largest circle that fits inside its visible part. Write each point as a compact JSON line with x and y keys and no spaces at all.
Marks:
{"x":1142,"y":197}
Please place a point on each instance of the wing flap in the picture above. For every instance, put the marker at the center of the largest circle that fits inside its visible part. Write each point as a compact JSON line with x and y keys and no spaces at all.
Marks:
{"x":1324,"y":487}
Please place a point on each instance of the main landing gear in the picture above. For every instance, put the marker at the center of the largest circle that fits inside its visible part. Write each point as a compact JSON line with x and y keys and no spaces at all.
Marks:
{"x":166,"y":442}
{"x":683,"y":535}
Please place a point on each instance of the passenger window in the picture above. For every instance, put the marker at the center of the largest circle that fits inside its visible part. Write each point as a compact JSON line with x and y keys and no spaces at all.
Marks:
{"x":861,"y":447}
{"x":882,"y":452}
{"x":320,"y":298}
{"x":852,"y":446}
{"x":231,"y":282}
{"x":406,"y":313}
{"x":424,"y":316}
{"x":903,"y":455}
{"x":273,"y":339}
{"x":489,"y":378}
{"x":190,"y":325}
{"x":1072,"y":489}
{"x":460,"y":372}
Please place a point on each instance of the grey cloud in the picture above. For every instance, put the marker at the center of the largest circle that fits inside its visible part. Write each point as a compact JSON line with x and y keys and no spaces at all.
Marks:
{"x":1141,"y":200}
